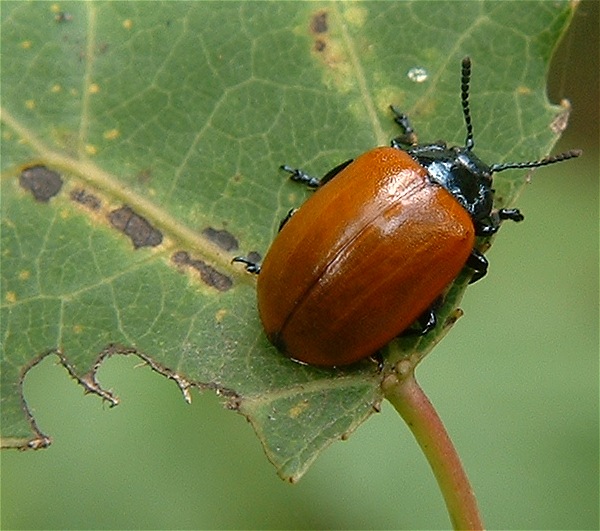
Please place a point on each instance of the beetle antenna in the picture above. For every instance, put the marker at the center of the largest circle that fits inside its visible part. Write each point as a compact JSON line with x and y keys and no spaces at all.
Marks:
{"x":464,"y":96}
{"x":573,"y":153}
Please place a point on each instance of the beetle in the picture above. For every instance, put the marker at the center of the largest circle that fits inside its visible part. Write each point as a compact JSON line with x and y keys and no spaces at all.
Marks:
{"x":373,"y":250}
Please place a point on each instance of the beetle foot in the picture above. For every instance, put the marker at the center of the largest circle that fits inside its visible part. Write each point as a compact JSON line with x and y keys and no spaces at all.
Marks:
{"x":513,"y":214}
{"x":479,"y":264}
{"x":251,"y":266}
{"x":425,"y":323}
{"x":408,"y":136}
{"x":301,"y":176}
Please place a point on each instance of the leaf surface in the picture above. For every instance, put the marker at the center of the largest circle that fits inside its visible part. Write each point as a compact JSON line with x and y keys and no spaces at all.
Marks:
{"x":140,"y":150}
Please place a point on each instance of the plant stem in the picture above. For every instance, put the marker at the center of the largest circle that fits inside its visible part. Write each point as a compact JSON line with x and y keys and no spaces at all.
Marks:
{"x":403,"y":391}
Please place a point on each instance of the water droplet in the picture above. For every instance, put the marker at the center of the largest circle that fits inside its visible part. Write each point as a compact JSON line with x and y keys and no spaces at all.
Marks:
{"x":417,"y":74}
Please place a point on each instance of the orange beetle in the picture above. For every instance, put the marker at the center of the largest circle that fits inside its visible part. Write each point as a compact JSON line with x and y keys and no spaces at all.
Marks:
{"x":349,"y":271}
{"x":377,"y":244}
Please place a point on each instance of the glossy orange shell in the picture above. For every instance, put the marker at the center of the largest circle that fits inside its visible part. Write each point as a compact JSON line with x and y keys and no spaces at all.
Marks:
{"x":361,"y":260}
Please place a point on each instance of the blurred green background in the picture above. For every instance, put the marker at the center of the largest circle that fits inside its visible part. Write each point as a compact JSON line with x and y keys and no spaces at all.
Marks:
{"x":516,"y":383}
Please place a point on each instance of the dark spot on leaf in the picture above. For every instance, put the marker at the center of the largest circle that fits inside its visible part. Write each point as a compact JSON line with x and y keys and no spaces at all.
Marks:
{"x":224,"y":239}
{"x":319,"y":28}
{"x":142,"y":234}
{"x":79,"y":195}
{"x":211,"y":276}
{"x":41,"y":182}
{"x":61,"y":16}
{"x":181,"y":258}
{"x":208,"y":274}
{"x":318,"y":23}
{"x":234,"y":403}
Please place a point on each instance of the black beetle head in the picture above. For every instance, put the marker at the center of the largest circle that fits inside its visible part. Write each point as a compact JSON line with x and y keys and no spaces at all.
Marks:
{"x":461,"y":172}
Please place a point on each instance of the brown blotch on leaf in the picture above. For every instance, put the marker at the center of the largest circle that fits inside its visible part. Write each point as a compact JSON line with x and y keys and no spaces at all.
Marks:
{"x":181,"y":258}
{"x":561,"y":120}
{"x":318,"y":23}
{"x":224,"y":239}
{"x":320,"y":45}
{"x":41,"y":182}
{"x":88,"y":200}
{"x":142,"y":234}
{"x":208,"y":274}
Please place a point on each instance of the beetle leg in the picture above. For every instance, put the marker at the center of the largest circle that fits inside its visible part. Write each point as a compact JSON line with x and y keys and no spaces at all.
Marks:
{"x":486,"y":229}
{"x":408,"y":136}
{"x":491,"y":226}
{"x":378,"y":357}
{"x":301,"y":176}
{"x":426,"y":322}
{"x":479,"y":264}
{"x":514,"y":214}
{"x":251,"y":266}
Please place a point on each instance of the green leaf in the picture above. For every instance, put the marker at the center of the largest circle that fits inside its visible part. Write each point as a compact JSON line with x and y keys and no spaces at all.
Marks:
{"x":140,"y":147}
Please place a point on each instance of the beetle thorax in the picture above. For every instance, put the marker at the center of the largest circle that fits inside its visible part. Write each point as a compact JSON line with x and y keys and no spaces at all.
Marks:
{"x":460,"y":172}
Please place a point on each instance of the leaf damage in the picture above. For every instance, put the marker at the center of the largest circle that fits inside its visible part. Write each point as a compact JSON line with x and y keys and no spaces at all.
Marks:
{"x":319,"y":26}
{"x":273,"y":416}
{"x":42,"y":182}
{"x":86,"y":199}
{"x":140,"y":231}
{"x":561,"y":120}
{"x":222,"y":238}
{"x":90,"y":385}
{"x":208,"y":274}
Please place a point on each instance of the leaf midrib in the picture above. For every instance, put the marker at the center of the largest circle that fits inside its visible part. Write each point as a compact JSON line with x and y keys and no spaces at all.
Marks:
{"x":105,"y":182}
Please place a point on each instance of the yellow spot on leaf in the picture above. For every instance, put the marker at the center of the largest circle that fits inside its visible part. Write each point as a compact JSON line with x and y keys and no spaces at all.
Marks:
{"x":523,"y":91}
{"x":128,"y":24}
{"x":77,"y":329}
{"x":357,"y":16}
{"x":11,"y":296}
{"x":56,"y":88}
{"x":112,"y":134}
{"x":24,"y":275}
{"x":26,"y":45}
{"x":55,"y":8}
{"x":90,"y":149}
{"x":298,"y":409}
{"x":30,"y":104}
{"x":94,"y":88}
{"x":220,"y":315}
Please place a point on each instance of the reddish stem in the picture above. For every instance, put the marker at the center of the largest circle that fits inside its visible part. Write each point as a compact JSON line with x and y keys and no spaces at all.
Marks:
{"x":403,"y":391}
